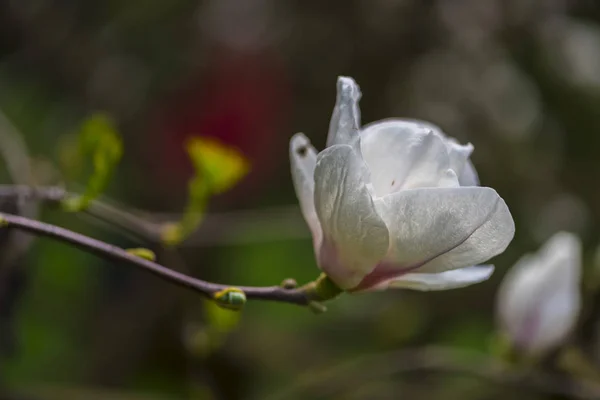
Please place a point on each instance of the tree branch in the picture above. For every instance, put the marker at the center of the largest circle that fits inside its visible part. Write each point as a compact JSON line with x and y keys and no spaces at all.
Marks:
{"x":300,"y":296}
{"x":272,"y":224}
{"x":54,"y":195}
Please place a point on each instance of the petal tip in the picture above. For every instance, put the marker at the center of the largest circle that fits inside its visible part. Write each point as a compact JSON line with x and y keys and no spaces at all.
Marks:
{"x":299,"y":144}
{"x":299,"y":139}
{"x":565,"y":239}
{"x":348,"y":88}
{"x":486,"y":271}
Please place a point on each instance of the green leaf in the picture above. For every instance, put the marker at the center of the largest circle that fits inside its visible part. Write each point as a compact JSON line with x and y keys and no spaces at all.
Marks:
{"x":98,"y":139}
{"x":221,"y":167}
{"x":217,"y":169}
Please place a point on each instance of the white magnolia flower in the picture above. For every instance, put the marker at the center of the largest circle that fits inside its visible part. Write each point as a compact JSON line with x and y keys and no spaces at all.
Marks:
{"x":395,"y":203}
{"x":539,"y":299}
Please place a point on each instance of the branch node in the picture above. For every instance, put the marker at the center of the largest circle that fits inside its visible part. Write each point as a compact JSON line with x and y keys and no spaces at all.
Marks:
{"x":289,"y":284}
{"x":231,"y":298}
{"x":142,"y":252}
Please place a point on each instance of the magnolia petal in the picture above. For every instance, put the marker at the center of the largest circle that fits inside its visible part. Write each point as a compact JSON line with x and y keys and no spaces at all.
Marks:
{"x":557,"y":318}
{"x":345,"y":120}
{"x":517,"y":302}
{"x":303,"y":159}
{"x":440,"y":229}
{"x":468,"y":176}
{"x":405,"y":124}
{"x":562,"y":252}
{"x":355,"y":236}
{"x":452,"y":279}
{"x":538,"y":299}
{"x":404,"y":156}
{"x":460,"y":163}
{"x":459,"y":154}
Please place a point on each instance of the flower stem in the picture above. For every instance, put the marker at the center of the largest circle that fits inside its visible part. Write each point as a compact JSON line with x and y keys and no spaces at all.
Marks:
{"x":322,"y":289}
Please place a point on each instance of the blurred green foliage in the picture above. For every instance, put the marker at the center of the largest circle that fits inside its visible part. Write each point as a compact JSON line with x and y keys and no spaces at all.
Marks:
{"x":217,"y":169}
{"x":98,"y":139}
{"x":517,"y":79}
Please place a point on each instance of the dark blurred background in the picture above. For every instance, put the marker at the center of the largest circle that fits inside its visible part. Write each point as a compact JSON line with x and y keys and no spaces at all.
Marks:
{"x":520,"y":79}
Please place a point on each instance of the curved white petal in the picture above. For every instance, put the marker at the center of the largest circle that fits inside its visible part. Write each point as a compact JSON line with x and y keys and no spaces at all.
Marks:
{"x":452,"y":279}
{"x":459,"y":154}
{"x":303,"y":160}
{"x":404,"y":156}
{"x":355,"y":237}
{"x":517,"y":303}
{"x":538,"y":299}
{"x":469,"y":176}
{"x":345,"y":120}
{"x":439,"y":229}
{"x":460,"y":163}
{"x":405,"y":124}
{"x":563,"y":252}
{"x":557,"y":317}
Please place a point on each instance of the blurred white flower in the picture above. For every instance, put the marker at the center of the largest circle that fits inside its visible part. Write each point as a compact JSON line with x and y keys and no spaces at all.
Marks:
{"x":539,"y":299}
{"x":396,"y":204}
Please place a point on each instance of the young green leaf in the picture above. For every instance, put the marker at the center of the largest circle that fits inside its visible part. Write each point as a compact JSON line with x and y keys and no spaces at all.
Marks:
{"x":98,"y":139}
{"x":217,"y":168}
{"x":220,"y":166}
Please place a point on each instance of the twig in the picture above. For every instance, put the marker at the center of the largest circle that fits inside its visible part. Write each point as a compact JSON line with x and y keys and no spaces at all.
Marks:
{"x":54,"y":195}
{"x":15,"y":155}
{"x":273,"y":224}
{"x":298,"y":296}
{"x":331,"y":381}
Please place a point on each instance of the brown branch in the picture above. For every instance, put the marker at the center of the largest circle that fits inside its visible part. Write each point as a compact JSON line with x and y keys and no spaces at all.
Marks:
{"x":274,"y":224}
{"x":300,"y":296}
{"x":54,"y":195}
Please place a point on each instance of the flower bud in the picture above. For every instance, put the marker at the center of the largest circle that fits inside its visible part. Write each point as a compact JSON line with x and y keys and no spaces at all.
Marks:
{"x":539,"y":299}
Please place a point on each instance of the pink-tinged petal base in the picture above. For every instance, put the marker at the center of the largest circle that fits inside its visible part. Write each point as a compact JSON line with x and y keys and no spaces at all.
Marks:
{"x":388,"y":275}
{"x":386,"y":271}
{"x":348,"y":217}
{"x":383,"y":272}
{"x":527,"y":333}
{"x":330,"y":263}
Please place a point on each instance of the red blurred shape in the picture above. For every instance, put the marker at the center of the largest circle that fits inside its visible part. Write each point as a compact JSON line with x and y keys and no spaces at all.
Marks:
{"x":242,"y":100}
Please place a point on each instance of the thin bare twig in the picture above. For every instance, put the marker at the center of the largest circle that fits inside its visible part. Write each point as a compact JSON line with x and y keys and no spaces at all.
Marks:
{"x":229,"y":228}
{"x":54,"y":195}
{"x":272,"y":293}
{"x":14,"y":153}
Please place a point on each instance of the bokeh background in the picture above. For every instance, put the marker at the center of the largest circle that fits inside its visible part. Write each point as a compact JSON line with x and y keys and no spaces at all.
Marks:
{"x":520,"y":79}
